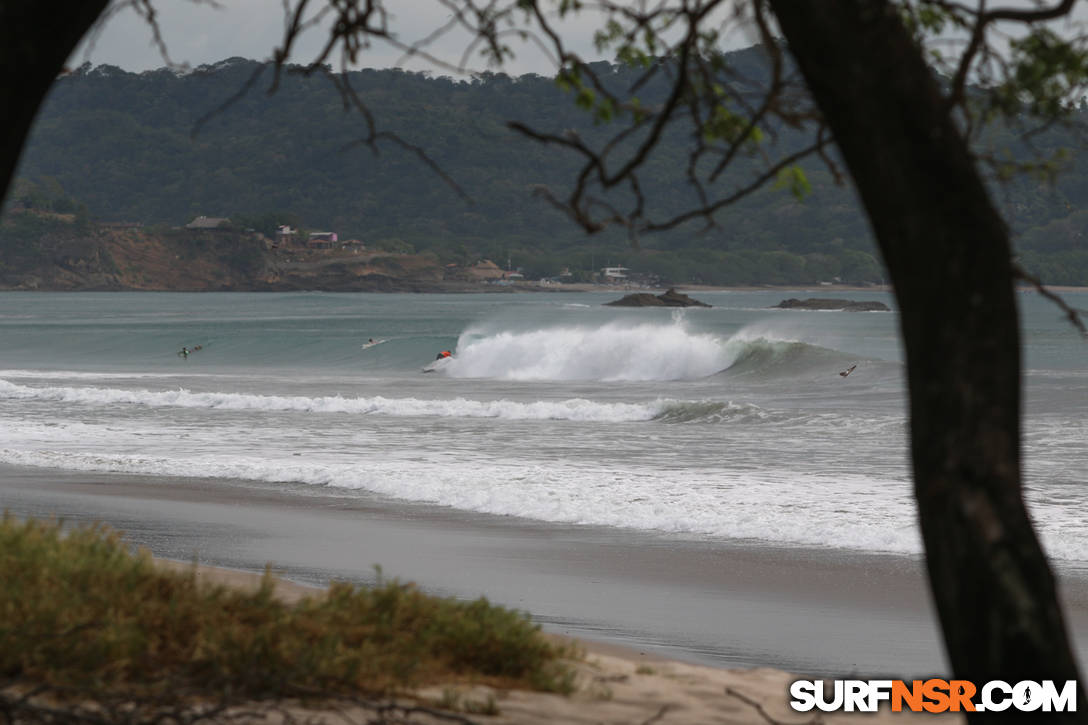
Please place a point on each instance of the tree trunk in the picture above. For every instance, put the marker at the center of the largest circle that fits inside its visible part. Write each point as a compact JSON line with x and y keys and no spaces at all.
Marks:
{"x":36,"y":37}
{"x":948,"y":255}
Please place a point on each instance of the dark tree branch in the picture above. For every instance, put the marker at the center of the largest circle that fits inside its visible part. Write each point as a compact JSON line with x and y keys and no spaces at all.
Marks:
{"x":758,"y":707}
{"x":770,"y":173}
{"x":1071,"y":313}
{"x":36,"y":39}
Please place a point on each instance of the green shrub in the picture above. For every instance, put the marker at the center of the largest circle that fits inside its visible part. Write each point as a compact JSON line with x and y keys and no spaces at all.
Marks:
{"x":80,"y":611}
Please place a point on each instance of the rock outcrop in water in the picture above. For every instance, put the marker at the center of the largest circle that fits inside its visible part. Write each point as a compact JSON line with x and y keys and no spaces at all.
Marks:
{"x":670,"y":298}
{"x":817,"y":303}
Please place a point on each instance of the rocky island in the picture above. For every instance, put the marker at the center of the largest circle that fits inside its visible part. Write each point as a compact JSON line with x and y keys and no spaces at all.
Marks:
{"x":670,"y":298}
{"x":817,"y":303}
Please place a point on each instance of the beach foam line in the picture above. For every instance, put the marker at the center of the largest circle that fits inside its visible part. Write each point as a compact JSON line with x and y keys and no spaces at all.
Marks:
{"x":772,"y":508}
{"x":732,"y":505}
{"x":83,"y":375}
{"x":576,"y":409}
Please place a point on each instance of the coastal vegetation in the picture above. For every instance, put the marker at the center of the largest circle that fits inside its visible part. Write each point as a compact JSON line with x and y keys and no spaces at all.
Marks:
{"x":132,"y":147}
{"x":91,"y":630}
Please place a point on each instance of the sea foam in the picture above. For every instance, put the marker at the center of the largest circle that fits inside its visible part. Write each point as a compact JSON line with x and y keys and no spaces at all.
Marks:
{"x":613,"y":351}
{"x":625,"y":351}
{"x":575,"y":409}
{"x":735,"y":505}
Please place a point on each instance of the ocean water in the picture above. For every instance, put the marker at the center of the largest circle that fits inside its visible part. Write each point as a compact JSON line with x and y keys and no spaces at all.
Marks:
{"x":729,"y":423}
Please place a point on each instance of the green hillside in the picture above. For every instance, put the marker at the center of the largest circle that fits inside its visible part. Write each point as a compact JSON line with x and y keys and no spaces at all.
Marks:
{"x":123,"y":144}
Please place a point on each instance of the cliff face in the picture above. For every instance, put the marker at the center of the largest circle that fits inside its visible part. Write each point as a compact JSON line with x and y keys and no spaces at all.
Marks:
{"x":53,"y":252}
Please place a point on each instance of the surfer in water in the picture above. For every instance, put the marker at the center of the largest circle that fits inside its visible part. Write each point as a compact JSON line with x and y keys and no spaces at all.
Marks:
{"x":848,"y":370}
{"x":444,"y":353}
{"x":184,"y":352}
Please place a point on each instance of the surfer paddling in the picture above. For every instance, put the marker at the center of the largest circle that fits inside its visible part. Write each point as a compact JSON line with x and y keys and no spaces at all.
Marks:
{"x":848,"y":370}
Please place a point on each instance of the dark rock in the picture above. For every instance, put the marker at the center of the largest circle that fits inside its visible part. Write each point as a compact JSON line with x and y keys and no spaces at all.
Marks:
{"x":640,"y":299}
{"x":817,"y":303}
{"x":671,"y":298}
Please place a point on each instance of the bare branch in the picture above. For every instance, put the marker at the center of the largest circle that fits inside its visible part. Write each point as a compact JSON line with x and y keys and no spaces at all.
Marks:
{"x":740,"y":193}
{"x":1071,"y":313}
{"x":234,"y":98}
{"x":817,"y":720}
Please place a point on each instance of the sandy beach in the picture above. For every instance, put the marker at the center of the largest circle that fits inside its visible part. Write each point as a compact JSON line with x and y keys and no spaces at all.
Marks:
{"x":685,"y":599}
{"x":675,"y":631}
{"x":616,"y":684}
{"x":695,"y":601}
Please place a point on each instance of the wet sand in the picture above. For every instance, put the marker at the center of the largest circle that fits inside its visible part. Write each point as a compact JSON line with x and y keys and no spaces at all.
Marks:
{"x":612,"y":684}
{"x":708,"y":603}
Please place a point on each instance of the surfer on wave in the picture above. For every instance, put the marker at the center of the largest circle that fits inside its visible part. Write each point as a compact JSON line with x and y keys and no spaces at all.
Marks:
{"x":444,"y":354}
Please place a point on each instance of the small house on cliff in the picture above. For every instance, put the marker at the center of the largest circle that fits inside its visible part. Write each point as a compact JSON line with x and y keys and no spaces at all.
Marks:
{"x":614,"y":275}
{"x":322,"y":240}
{"x":285,"y":235}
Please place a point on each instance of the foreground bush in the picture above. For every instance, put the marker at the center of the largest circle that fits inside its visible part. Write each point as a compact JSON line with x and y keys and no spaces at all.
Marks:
{"x":80,"y":613}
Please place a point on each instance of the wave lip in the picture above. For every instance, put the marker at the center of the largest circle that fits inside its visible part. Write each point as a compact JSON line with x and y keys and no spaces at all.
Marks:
{"x":710,"y":411}
{"x":626,"y":351}
{"x":612,"y":352}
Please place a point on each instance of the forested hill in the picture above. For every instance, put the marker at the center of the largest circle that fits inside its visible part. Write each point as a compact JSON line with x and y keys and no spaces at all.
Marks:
{"x":124,"y":145}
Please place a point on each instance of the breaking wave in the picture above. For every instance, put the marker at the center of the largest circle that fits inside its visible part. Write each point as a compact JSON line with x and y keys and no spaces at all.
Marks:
{"x":575,"y":409}
{"x":619,"y":351}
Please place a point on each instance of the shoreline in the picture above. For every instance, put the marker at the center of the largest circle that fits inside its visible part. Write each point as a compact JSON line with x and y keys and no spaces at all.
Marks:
{"x":614,"y":683}
{"x":711,"y":603}
{"x":704,"y":602}
{"x":781,"y":613}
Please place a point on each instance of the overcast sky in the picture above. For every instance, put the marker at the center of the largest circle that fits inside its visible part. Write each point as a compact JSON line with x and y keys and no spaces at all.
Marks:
{"x":198,"y":33}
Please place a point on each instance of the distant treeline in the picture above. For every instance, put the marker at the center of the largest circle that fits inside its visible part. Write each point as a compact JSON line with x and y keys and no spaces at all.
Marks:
{"x":128,"y":146}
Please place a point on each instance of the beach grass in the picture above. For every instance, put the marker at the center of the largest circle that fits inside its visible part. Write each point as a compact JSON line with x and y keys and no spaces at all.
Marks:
{"x":81,"y":612}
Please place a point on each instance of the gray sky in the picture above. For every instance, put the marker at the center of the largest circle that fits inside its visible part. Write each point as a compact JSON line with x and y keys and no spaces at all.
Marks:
{"x":197,"y":33}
